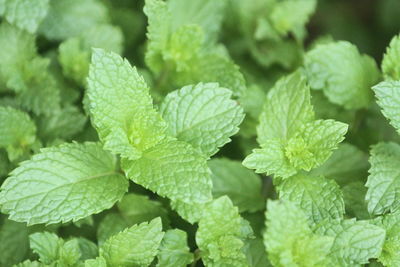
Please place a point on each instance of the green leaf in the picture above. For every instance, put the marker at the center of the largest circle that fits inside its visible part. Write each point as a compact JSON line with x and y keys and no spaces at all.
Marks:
{"x":63,"y":183}
{"x":26,"y":14}
{"x":290,"y":138}
{"x":135,"y":246}
{"x":390,"y":62}
{"x":110,"y":225}
{"x":270,"y":160}
{"x":172,"y":169}
{"x":46,"y":245}
{"x":208,"y":14}
{"x":221,"y":235}
{"x":344,"y":75}
{"x":384,"y":179}
{"x":289,"y":240}
{"x":54,"y":250}
{"x":286,"y":110}
{"x":87,"y":248}
{"x":202,"y":115}
{"x":318,"y":197}
{"x":69,"y":18}
{"x":17,"y":132}
{"x":174,"y":251}
{"x":177,"y":51}
{"x":241,"y":185}
{"x":74,"y":53}
{"x":98,"y":262}
{"x":355,"y":242}
{"x":388,"y":95}
{"x":121,"y":106}
{"x":63,"y":124}
{"x":354,"y":200}
{"x":300,"y":12}
{"x":390,"y":255}
{"x":138,"y":208}
{"x":14,"y":243}
{"x":255,"y":253}
{"x":346,"y":163}
{"x":314,"y":144}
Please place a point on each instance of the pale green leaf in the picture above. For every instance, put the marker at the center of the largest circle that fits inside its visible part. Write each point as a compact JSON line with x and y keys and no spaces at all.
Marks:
{"x":289,"y":240}
{"x":54,"y":250}
{"x":121,"y":106}
{"x":390,"y":62}
{"x":286,"y":110}
{"x":314,"y":143}
{"x":318,"y":197}
{"x":172,"y":169}
{"x":384,"y":179}
{"x":17,"y":132}
{"x":388,"y":95}
{"x":270,"y":160}
{"x":26,"y":14}
{"x":345,"y":164}
{"x":69,"y":18}
{"x":98,"y":262}
{"x":135,"y":246}
{"x":355,"y":242}
{"x":390,"y":255}
{"x":344,"y":75}
{"x":300,"y":11}
{"x":241,"y":185}
{"x":208,"y":14}
{"x":63,"y":183}
{"x":174,"y":251}
{"x":202,"y":115}
{"x":220,"y":235}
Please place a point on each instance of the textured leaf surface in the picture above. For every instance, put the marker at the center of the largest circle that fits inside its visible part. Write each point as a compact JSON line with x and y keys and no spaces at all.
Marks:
{"x":289,"y":240}
{"x":390,"y":255}
{"x":390,"y":62}
{"x":26,"y":14}
{"x":388,"y":95}
{"x":318,"y":197}
{"x":135,"y":246}
{"x":63,"y":183}
{"x":286,"y":109}
{"x":346,"y":163}
{"x":53,"y":250}
{"x":121,"y":106}
{"x":344,"y":75}
{"x":221,"y":235}
{"x":173,"y":169}
{"x":17,"y":131}
{"x":174,"y":251}
{"x":384,"y":179}
{"x":355,"y":242}
{"x":241,"y":185}
{"x":314,"y":143}
{"x":270,"y":160}
{"x":202,"y":115}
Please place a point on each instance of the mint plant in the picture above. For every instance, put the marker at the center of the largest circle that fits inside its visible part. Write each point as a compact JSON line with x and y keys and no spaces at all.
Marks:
{"x":196,"y":133}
